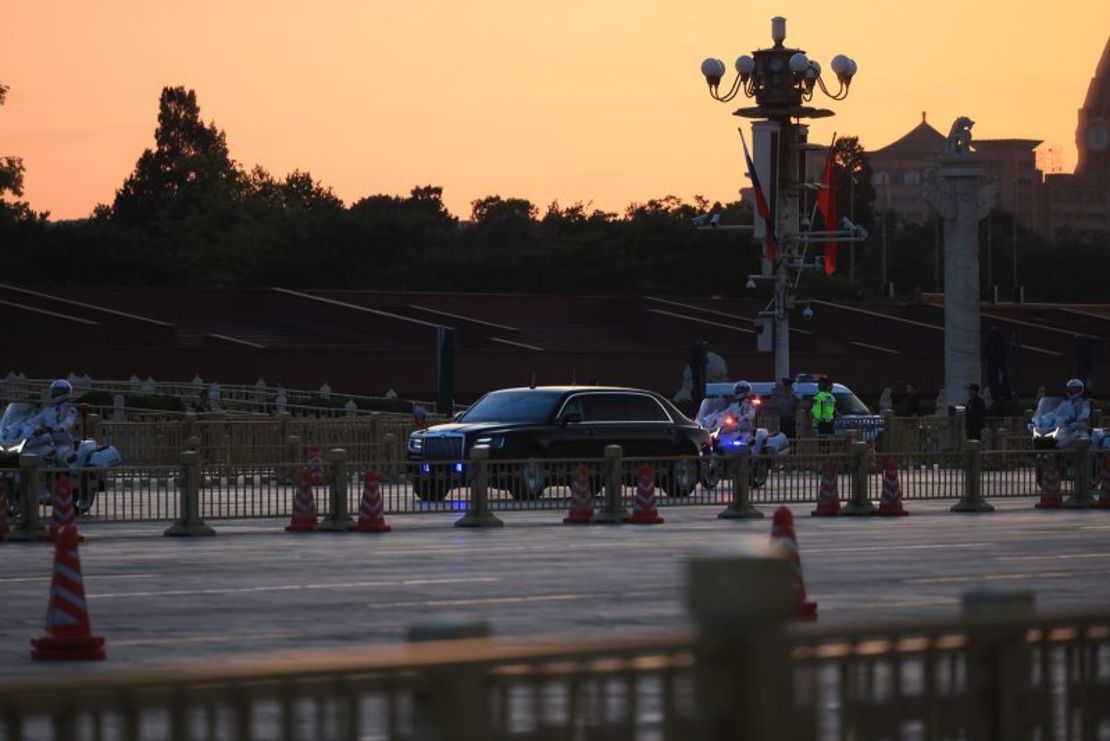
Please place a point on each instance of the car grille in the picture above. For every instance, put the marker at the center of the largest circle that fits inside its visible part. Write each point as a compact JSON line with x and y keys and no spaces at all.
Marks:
{"x":443,"y":448}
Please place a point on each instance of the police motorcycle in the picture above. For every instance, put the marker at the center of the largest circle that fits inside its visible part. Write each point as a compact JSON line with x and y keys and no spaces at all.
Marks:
{"x":728,"y":436}
{"x":1054,"y":428}
{"x":22,"y":431}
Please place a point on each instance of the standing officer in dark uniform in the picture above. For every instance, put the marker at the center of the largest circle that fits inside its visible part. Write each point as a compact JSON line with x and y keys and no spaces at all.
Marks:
{"x":975,"y":413}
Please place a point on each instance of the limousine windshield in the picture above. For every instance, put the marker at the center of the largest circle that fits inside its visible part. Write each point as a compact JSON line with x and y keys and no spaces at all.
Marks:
{"x":531,"y":405}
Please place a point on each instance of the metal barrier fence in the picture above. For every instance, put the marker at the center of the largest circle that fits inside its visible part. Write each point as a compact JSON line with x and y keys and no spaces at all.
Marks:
{"x":997,"y":672}
{"x":268,"y":487}
{"x":237,"y":441}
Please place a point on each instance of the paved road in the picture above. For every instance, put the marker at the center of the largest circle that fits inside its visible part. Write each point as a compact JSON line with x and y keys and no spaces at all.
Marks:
{"x":254,"y":588}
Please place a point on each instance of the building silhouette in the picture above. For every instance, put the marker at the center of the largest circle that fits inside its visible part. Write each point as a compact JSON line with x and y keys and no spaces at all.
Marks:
{"x":1052,"y":204}
{"x":1080,"y":202}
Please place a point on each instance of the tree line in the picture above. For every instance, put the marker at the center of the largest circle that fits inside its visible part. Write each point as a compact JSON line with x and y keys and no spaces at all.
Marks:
{"x":190,"y":215}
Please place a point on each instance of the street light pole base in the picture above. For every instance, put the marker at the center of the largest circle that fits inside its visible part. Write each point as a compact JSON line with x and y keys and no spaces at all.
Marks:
{"x":972,"y":505}
{"x":859,"y":509}
{"x":475,"y":519}
{"x":742,"y":512}
{"x":184,"y":529}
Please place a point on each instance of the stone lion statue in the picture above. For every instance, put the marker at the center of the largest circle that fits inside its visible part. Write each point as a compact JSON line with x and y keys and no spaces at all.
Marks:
{"x":959,"y":137}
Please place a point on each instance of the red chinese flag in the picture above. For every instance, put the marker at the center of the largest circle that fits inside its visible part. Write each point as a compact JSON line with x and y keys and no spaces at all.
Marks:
{"x":826,"y":201}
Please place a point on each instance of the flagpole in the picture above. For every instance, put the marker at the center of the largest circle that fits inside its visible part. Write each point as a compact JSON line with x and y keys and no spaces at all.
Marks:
{"x":773,"y":249}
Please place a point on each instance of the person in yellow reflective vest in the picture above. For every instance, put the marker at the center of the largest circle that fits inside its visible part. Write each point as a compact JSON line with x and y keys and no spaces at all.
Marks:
{"x":824,"y":408}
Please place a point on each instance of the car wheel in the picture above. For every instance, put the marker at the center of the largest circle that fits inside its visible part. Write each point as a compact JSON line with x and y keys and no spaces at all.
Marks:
{"x":530,"y":480}
{"x":430,"y":487}
{"x":684,"y":477}
{"x":712,"y":470}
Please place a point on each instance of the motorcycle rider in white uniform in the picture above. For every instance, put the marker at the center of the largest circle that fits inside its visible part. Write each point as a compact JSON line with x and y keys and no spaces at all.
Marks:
{"x":741,"y":409}
{"x":1073,"y":414}
{"x":56,"y":420}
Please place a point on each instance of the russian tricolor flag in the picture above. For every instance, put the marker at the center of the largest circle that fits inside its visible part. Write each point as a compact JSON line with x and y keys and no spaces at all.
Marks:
{"x":770,"y":242}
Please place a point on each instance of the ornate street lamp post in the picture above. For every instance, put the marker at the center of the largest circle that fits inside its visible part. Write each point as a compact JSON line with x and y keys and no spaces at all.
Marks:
{"x":782,"y":81}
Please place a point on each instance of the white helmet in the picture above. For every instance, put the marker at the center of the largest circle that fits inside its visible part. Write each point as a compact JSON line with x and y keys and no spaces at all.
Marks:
{"x":60,"y":391}
{"x":1075,"y":388}
{"x":742,"y":390}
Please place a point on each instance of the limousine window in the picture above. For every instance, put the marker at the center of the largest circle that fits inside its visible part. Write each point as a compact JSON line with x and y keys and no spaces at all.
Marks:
{"x":616,"y":408}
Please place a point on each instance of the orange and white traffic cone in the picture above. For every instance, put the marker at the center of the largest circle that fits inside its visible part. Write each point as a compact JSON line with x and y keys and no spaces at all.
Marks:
{"x":63,"y":514}
{"x":1051,"y":497}
{"x":782,"y":533}
{"x":890,"y":503}
{"x":643,"y":504}
{"x":371,"y":512}
{"x":68,"y":636}
{"x":581,"y":498}
{"x":1104,"y":483}
{"x":828,"y":497}
{"x":316,"y":465}
{"x":304,"y":507}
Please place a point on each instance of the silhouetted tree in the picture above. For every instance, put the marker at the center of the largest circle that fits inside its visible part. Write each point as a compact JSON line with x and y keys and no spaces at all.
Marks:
{"x":494,"y":208}
{"x":855,"y":195}
{"x":11,"y":185}
{"x":188,"y":171}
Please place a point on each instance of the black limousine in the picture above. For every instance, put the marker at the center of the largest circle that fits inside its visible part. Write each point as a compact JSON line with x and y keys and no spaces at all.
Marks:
{"x":556,"y":422}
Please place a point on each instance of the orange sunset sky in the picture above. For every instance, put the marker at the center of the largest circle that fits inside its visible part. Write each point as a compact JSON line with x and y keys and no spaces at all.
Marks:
{"x":591,"y":100}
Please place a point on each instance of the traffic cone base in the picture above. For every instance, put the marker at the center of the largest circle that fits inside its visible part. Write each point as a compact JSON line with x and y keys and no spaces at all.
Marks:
{"x":67,"y":636}
{"x":828,"y":498}
{"x":643,"y":506}
{"x":807,"y":610}
{"x":1051,"y":496}
{"x":56,"y":648}
{"x":370,"y":527}
{"x":370,"y":508}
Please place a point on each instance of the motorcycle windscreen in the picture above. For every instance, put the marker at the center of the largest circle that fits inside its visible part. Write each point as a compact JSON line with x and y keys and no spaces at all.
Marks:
{"x":712,"y":405}
{"x":1047,"y":405}
{"x":11,"y":424}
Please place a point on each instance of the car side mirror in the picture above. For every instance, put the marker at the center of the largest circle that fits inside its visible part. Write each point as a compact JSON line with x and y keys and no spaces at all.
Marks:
{"x":457,"y":416}
{"x":570,"y":418}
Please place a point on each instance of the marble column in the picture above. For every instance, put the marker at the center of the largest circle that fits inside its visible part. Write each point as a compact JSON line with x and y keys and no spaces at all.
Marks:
{"x":960,"y":194}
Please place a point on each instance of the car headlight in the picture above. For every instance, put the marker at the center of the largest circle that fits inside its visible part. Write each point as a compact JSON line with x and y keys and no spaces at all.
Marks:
{"x":495,"y":442}
{"x":416,"y":442}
